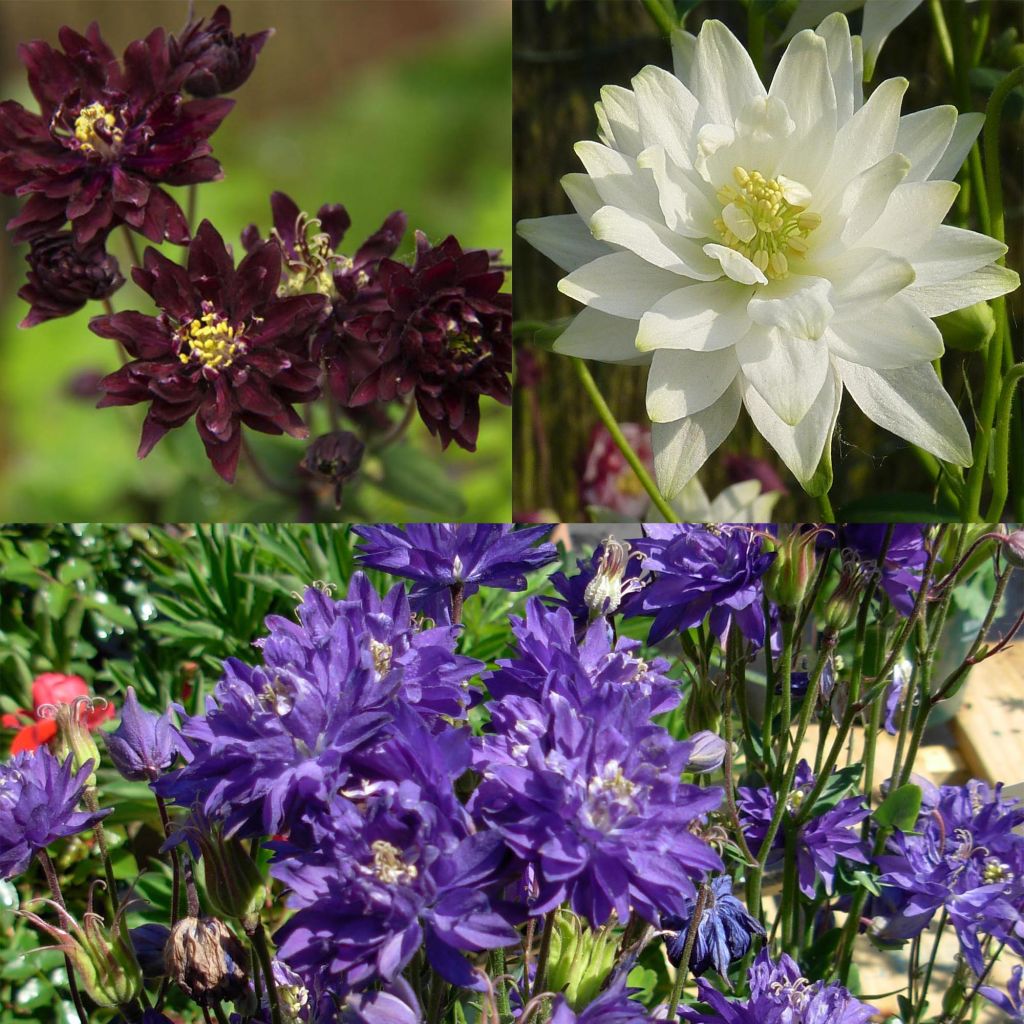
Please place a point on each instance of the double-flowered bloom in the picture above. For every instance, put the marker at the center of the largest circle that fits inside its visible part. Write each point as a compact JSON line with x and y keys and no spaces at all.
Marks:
{"x":225,"y":348}
{"x":768,"y":249}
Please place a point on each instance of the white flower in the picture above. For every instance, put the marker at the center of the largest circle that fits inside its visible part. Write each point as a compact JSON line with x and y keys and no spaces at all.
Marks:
{"x":743,"y":502}
{"x":768,"y":249}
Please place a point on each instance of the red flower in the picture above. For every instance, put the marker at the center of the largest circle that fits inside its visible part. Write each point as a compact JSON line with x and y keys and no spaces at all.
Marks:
{"x":51,"y":689}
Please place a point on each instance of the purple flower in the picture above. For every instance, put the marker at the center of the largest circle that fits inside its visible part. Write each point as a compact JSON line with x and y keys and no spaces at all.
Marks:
{"x":861,"y":544}
{"x":549,"y":658}
{"x":143,"y":745}
{"x":613,"y":1006}
{"x":707,"y":753}
{"x":703,"y":572}
{"x":820,"y":841}
{"x":1012,"y":1001}
{"x":224,"y":349}
{"x":607,"y":582}
{"x":220,"y":61}
{"x":965,"y":855}
{"x":593,"y":803}
{"x":38,"y":797}
{"x":277,"y":739}
{"x":440,"y":556}
{"x":63,"y":277}
{"x":779,"y":994}
{"x":107,"y":136}
{"x":896,"y":694}
{"x":724,"y":934}
{"x":392,"y":866}
{"x":444,"y":337}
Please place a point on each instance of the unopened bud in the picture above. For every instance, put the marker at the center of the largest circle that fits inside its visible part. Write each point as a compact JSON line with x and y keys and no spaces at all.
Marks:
{"x":789,"y":576}
{"x":73,"y":735}
{"x":580,"y":959}
{"x":206,"y":960}
{"x":707,"y":753}
{"x":233,"y":883}
{"x":704,"y":707}
{"x":1013,"y":548}
{"x":967,"y":329}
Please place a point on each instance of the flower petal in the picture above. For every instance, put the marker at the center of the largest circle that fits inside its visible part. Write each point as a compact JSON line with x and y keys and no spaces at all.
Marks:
{"x":617,"y":117}
{"x":799,"y":446}
{"x":564,"y":239}
{"x":862,"y":201}
{"x":835,"y":30}
{"x":892,"y":335}
{"x":595,"y":335}
{"x":683,"y":195}
{"x":682,"y":447}
{"x":621,"y":284}
{"x":966,"y":131}
{"x":986,"y":283}
{"x":879,"y":21}
{"x":683,"y":383}
{"x":723,"y":76}
{"x":582,"y":194}
{"x":618,"y":180}
{"x":668,"y":113}
{"x":911,"y":403}
{"x":865,"y":277}
{"x":702,"y":317}
{"x":911,"y":216}
{"x":653,"y":242}
{"x":799,"y":306}
{"x":923,"y":137}
{"x":788,"y":373}
{"x":952,"y":253}
{"x":735,"y":264}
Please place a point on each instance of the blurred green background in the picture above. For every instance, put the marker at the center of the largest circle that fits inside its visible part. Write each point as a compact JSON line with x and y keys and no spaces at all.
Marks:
{"x":377,"y":104}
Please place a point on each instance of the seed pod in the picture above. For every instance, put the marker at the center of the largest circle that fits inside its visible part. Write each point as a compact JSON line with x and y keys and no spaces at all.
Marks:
{"x":206,"y":959}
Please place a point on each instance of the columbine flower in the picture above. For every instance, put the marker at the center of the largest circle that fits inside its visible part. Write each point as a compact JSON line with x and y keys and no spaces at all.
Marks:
{"x":314,"y":264}
{"x":607,"y":582}
{"x":1010,"y":1002}
{"x":964,"y":854}
{"x":63,"y":277}
{"x":700,"y":572}
{"x":107,"y":136}
{"x":49,"y":691}
{"x":143,"y":745}
{"x":444,"y":337}
{"x":440,"y":556}
{"x":220,"y":61}
{"x":613,"y":1006}
{"x":820,"y":841}
{"x":277,"y":739}
{"x":224,"y":349}
{"x":779,"y":994}
{"x":593,"y":803}
{"x":771,"y":248}
{"x":724,"y":934}
{"x":38,"y":797}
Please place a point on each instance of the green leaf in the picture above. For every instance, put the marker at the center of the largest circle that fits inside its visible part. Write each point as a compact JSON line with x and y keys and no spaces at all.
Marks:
{"x":868,"y":881}
{"x":420,"y":481}
{"x":840,"y":784}
{"x":899,"y":507}
{"x":900,"y":808}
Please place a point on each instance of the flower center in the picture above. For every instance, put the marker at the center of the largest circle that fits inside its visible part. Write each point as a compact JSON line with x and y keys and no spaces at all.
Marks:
{"x":381,"y":654}
{"x":996,"y":871}
{"x":765,"y":219}
{"x":610,"y":797}
{"x":212,"y":340}
{"x":388,"y":865}
{"x":461,"y":337}
{"x":95,"y":130}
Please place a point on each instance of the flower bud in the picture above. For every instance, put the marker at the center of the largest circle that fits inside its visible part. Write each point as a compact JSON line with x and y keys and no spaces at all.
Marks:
{"x":789,"y":576}
{"x":704,"y":707}
{"x":233,"y":882}
{"x":73,"y":735}
{"x":143,"y":745}
{"x":707,"y":753}
{"x":335,"y":458}
{"x":105,"y":965}
{"x":1013,"y":548}
{"x":842,"y":604}
{"x":967,"y":329}
{"x":221,"y":61}
{"x":206,"y":960}
{"x":580,"y":959}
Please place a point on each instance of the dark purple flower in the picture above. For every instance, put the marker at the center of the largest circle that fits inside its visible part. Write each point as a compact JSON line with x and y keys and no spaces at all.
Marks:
{"x":144,"y":744}
{"x":38,"y":797}
{"x":220,"y":60}
{"x":613,"y":1006}
{"x":704,"y":572}
{"x":107,"y":136}
{"x":724,"y":934}
{"x":551,"y":657}
{"x":593,"y":803}
{"x":224,"y":349}
{"x":820,"y":841}
{"x":440,"y":556}
{"x":148,"y":942}
{"x":63,"y":277}
{"x":334,"y":458}
{"x":966,"y":856}
{"x":606,"y":583}
{"x":392,"y":866}
{"x":444,"y":337}
{"x":779,"y":994}
{"x":277,"y":740}
{"x":860,"y":545}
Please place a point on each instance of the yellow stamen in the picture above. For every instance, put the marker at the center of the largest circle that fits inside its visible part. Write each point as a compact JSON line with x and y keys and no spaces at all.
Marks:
{"x":388,"y":865}
{"x":89,"y":119}
{"x":212,"y":340}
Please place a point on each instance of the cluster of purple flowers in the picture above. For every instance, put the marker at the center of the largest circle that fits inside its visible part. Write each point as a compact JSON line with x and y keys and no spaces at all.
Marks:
{"x":234,"y":347}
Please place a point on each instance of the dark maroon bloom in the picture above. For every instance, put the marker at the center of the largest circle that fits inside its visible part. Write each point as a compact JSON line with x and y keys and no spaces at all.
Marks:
{"x":335,"y":458}
{"x":445,"y":337}
{"x":314,"y":264}
{"x":220,"y":60}
{"x":107,"y":136}
{"x":225,"y":348}
{"x":63,"y":277}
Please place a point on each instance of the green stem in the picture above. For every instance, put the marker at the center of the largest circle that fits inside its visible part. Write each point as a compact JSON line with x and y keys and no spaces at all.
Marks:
{"x":660,"y":16}
{"x":540,"y":976}
{"x":942,"y":31}
{"x":58,"y":897}
{"x":165,"y":821}
{"x":929,"y":967}
{"x":994,"y":352}
{"x":784,"y":675}
{"x":827,"y":511}
{"x":1001,"y":451}
{"x":498,"y":971}
{"x":606,"y":417}
{"x":259,"y":941}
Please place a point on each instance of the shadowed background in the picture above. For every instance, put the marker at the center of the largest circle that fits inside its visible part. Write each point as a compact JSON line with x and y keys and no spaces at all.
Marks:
{"x":377,"y":104}
{"x":563,"y":53}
